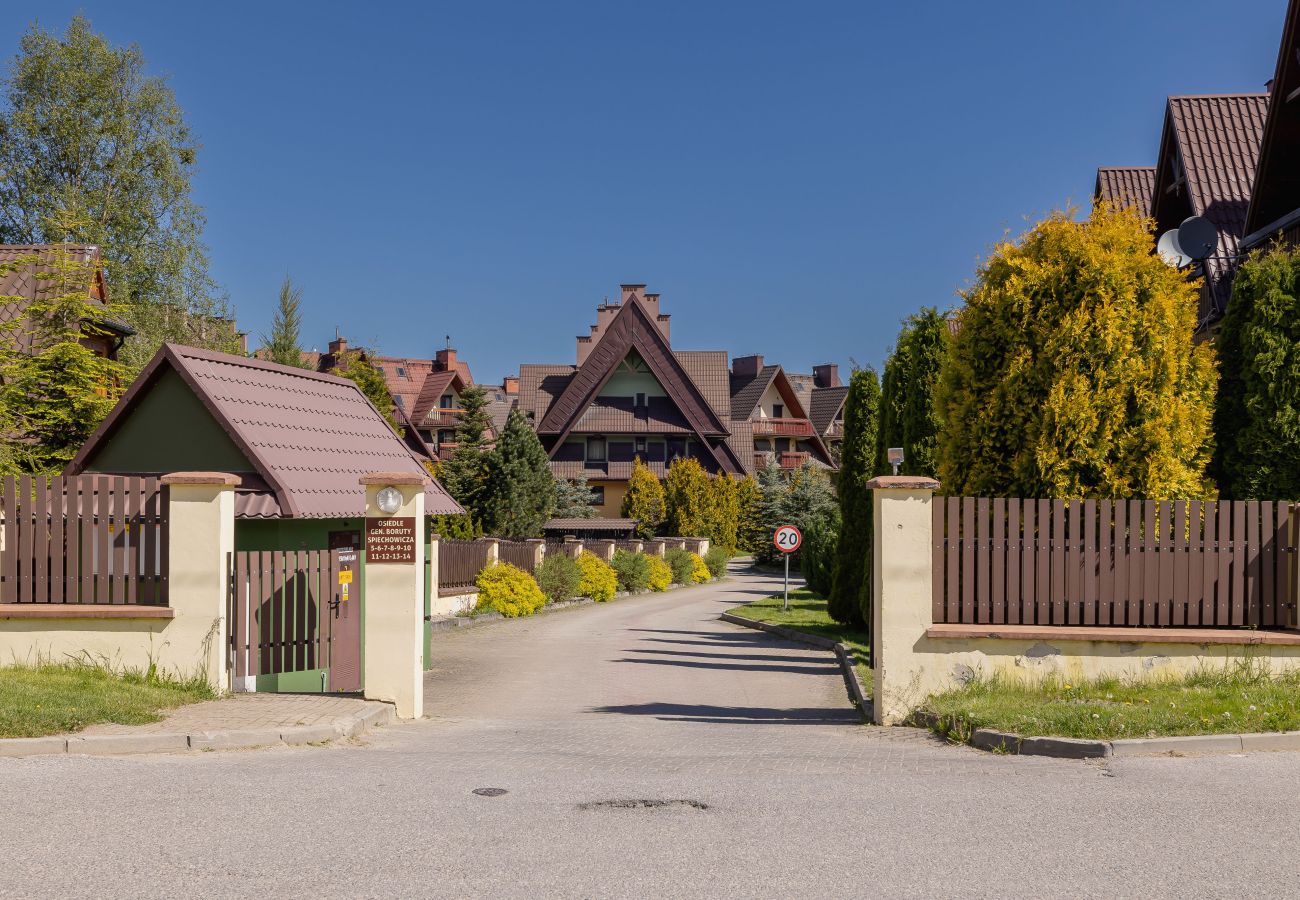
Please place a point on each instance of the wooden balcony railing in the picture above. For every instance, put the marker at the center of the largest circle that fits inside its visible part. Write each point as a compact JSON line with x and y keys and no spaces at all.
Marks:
{"x":783,"y":428}
{"x":785,"y":459}
{"x":442,"y":418}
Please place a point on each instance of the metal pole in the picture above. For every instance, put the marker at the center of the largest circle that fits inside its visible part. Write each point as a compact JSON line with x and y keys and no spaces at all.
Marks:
{"x":786,"y":605}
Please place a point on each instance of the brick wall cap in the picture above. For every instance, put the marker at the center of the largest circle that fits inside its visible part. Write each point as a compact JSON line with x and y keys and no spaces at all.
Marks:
{"x":904,"y":483}
{"x":223,"y":479}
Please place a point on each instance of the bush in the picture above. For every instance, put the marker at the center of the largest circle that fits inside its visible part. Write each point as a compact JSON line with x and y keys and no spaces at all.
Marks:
{"x":818,"y":563}
{"x":633,"y":571}
{"x":680,"y":562}
{"x":509,"y":590}
{"x":598,"y":580}
{"x":661,"y":574}
{"x":558,"y":577}
{"x":699,"y":571}
{"x":716,"y":560}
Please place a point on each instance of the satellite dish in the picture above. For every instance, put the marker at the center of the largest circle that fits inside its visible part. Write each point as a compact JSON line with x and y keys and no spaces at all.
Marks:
{"x":1198,"y":237}
{"x":1170,"y":250}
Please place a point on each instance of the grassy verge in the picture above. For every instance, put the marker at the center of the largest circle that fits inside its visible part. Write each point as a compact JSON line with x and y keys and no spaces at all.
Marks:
{"x":807,"y":612}
{"x":1243,"y":697}
{"x":56,"y":698}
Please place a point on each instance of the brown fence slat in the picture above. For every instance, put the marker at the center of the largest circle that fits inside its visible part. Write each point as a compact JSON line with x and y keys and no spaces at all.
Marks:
{"x":967,"y":559}
{"x":1223,"y":588}
{"x":1209,"y":562}
{"x":72,"y":538}
{"x":58,"y":550}
{"x":998,"y":585}
{"x":1088,"y":564}
{"x":9,"y":559}
{"x":1059,"y":570}
{"x":1252,"y":563}
{"x":26,"y":571}
{"x":1267,"y":547}
{"x":1238,"y":562}
{"x":41,"y":543}
{"x":1178,"y":612}
{"x":119,"y":539}
{"x":1119,"y":597}
{"x":130,"y":540}
{"x":1105,"y":562}
{"x":983,"y":605}
{"x":1043,"y":562}
{"x":1164,"y":545}
{"x":1195,"y":568}
{"x":1015,"y":556}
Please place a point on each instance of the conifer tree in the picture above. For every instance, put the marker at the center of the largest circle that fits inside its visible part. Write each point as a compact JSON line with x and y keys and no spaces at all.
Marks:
{"x":850,"y":593}
{"x":644,"y":500}
{"x":724,"y":525}
{"x":573,"y":498}
{"x":54,"y":390}
{"x":908,"y":416}
{"x":1074,"y":373}
{"x":1257,"y":416}
{"x":284,"y":344}
{"x":519,"y":495}
{"x":687,"y":499}
{"x":465,"y":474}
{"x":749,"y":530}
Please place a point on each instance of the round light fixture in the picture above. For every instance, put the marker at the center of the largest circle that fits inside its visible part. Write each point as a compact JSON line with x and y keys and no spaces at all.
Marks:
{"x":389,"y":500}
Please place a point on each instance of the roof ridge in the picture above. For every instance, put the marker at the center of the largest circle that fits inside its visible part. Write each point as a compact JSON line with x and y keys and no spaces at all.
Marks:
{"x":250,"y":362}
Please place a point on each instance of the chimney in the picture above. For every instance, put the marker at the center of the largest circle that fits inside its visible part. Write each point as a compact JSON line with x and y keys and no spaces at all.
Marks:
{"x":510,"y":384}
{"x":445,"y":360}
{"x":826,"y":375}
{"x":746,"y":366}
{"x":628,"y":291}
{"x":338,"y":346}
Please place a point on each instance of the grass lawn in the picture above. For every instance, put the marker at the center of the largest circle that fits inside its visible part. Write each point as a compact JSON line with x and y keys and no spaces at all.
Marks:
{"x":808,"y":613}
{"x":56,"y":698}
{"x":1241,"y":698}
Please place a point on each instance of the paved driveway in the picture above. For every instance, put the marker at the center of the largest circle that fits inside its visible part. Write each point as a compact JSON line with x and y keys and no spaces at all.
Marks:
{"x":581,"y":715}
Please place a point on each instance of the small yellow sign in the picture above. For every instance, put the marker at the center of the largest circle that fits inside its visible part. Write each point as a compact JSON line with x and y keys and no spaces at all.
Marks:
{"x":344,"y":598}
{"x":345,"y":578}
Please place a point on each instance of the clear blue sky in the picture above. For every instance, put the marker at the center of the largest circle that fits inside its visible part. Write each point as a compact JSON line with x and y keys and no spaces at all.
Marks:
{"x":792,"y":178}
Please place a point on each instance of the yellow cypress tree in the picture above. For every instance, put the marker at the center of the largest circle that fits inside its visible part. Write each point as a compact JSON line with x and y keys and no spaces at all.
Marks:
{"x":644,"y":500}
{"x":1073,"y":372}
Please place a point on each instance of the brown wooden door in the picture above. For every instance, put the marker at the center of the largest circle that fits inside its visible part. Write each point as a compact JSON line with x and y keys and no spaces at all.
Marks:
{"x":345,"y":613}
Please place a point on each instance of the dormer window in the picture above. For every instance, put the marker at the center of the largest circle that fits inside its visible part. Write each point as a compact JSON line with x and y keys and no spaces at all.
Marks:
{"x":401,"y":372}
{"x":778,"y":411}
{"x":400,"y":401}
{"x":444,"y":402}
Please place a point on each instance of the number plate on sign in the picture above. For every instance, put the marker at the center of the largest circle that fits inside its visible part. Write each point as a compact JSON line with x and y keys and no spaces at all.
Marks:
{"x":787,"y":538}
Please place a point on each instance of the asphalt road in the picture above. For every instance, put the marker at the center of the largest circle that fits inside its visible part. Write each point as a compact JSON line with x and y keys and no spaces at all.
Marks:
{"x":769,"y":786}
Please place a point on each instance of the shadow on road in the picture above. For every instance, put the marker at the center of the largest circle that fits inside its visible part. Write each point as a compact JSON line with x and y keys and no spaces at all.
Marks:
{"x":811,"y":669}
{"x":765,"y":657}
{"x":734,"y":715}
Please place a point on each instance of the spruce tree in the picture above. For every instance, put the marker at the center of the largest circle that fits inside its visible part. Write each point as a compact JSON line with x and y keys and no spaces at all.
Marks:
{"x":54,"y":390}
{"x":573,"y":498}
{"x":1074,"y":372}
{"x":687,"y":499}
{"x":1257,"y":417}
{"x":465,"y":474}
{"x":850,"y":593}
{"x":749,"y":529}
{"x":644,"y":500}
{"x":519,"y":494}
{"x":284,"y":344}
{"x":908,"y":416}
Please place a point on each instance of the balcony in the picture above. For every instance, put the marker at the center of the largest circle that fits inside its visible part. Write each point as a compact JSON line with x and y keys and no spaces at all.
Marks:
{"x":797,"y":428}
{"x":786,"y":460}
{"x":441,"y":418}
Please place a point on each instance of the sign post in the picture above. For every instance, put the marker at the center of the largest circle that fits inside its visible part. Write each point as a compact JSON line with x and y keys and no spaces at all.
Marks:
{"x":787,"y":539}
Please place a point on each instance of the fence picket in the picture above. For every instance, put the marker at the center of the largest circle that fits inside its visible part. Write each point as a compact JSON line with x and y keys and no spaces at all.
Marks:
{"x":1088,"y":563}
{"x":1266,"y":549}
{"x":1239,"y":574}
{"x":1252,"y":563}
{"x":9,"y":582}
{"x":58,"y":550}
{"x":1105,"y":562}
{"x":1178,"y":611}
{"x":983,"y":602}
{"x":41,"y":543}
{"x":998,"y":548}
{"x":1014,"y":555}
{"x":72,"y":537}
{"x":1043,"y":562}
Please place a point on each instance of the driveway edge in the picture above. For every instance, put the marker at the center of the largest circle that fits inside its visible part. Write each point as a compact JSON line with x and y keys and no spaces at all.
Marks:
{"x":843,"y":654}
{"x":373,"y":714}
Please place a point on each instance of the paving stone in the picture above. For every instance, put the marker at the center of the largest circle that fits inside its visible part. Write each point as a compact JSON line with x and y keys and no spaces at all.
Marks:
{"x":1208,"y":743}
{"x":38,"y":746}
{"x":108,"y":744}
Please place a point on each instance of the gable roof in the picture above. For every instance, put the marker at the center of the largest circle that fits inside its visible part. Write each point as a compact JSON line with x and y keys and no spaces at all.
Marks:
{"x":309,"y":436}
{"x":435,"y":385}
{"x":1126,"y":186}
{"x":710,"y":370}
{"x":20,"y":286}
{"x":748,"y":390}
{"x":1277,"y":181}
{"x":631,"y":329}
{"x":826,"y":403}
{"x":541,"y":385}
{"x":1213,"y":142}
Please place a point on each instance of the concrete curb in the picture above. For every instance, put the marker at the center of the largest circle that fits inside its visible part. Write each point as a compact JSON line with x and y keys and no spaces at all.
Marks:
{"x":374,"y":713}
{"x":843,"y":654}
{"x":451,"y":623}
{"x":1080,"y":748}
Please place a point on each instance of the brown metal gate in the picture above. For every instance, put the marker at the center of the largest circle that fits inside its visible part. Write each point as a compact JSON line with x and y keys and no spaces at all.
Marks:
{"x":295,"y":619}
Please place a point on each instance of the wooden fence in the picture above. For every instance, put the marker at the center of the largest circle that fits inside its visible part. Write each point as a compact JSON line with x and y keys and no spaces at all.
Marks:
{"x":84,"y":539}
{"x":279,"y":610}
{"x":518,"y":553}
{"x":567,"y":548}
{"x":459,"y":563}
{"x":1135,"y":563}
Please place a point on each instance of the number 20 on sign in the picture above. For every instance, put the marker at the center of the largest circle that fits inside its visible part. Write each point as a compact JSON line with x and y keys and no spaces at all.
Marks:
{"x":787,"y":539}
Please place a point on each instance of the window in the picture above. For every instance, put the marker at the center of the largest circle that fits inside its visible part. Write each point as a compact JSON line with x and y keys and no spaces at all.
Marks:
{"x":444,"y":402}
{"x":595,"y":449}
{"x":400,"y":401}
{"x":640,"y":445}
{"x":597,"y":495}
{"x":401,"y":373}
{"x":445,"y":436}
{"x":640,"y":401}
{"x":778,"y":411}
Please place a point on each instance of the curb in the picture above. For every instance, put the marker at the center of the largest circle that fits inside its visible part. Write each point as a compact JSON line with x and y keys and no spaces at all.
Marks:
{"x":374,"y":714}
{"x":1082,"y":748}
{"x":843,"y":654}
{"x":451,"y":623}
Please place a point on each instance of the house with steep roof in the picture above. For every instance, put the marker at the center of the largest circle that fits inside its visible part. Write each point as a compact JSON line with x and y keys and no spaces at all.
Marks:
{"x":630,"y":395}
{"x":1274,"y":210}
{"x":298,"y":440}
{"x":1125,"y":187}
{"x":766,"y":406}
{"x":21,"y":269}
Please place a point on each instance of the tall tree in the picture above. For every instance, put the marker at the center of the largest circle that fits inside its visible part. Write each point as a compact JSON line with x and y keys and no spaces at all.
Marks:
{"x":94,"y":151}
{"x":1074,"y":373}
{"x":908,"y":416}
{"x":465,"y":474}
{"x":852,"y":573}
{"x":284,"y":344}
{"x":687,"y":499}
{"x":724,"y":509}
{"x":573,"y":498}
{"x":749,"y":500}
{"x":54,"y":389}
{"x":356,"y":366}
{"x":1257,"y":416}
{"x":519,"y":495}
{"x":644,"y":500}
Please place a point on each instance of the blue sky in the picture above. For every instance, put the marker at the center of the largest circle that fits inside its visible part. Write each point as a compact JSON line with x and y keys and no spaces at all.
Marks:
{"x":792,"y":178}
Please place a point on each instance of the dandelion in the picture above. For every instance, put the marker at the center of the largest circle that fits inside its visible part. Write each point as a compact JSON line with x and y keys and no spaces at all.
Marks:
{"x":1069,"y":687}
{"x":1095,"y":716}
{"x":1252,"y":707}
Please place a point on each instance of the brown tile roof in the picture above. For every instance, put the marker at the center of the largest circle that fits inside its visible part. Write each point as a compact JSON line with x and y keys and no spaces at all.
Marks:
{"x":311,"y":436}
{"x":826,"y":402}
{"x":747,"y":391}
{"x":1125,"y":186}
{"x":1217,"y":138}
{"x":21,"y":285}
{"x":741,"y":443}
{"x":540,"y":386}
{"x":435,"y":385}
{"x":1277,"y":186}
{"x":618,"y":415}
{"x":709,"y":370}
{"x":592,"y":524}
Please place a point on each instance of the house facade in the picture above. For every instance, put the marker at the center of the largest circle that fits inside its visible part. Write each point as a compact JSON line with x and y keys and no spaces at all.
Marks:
{"x":21,"y":283}
{"x":630,"y":395}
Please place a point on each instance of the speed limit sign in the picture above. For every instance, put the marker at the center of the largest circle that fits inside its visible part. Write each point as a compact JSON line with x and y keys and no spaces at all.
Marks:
{"x":787,"y":538}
